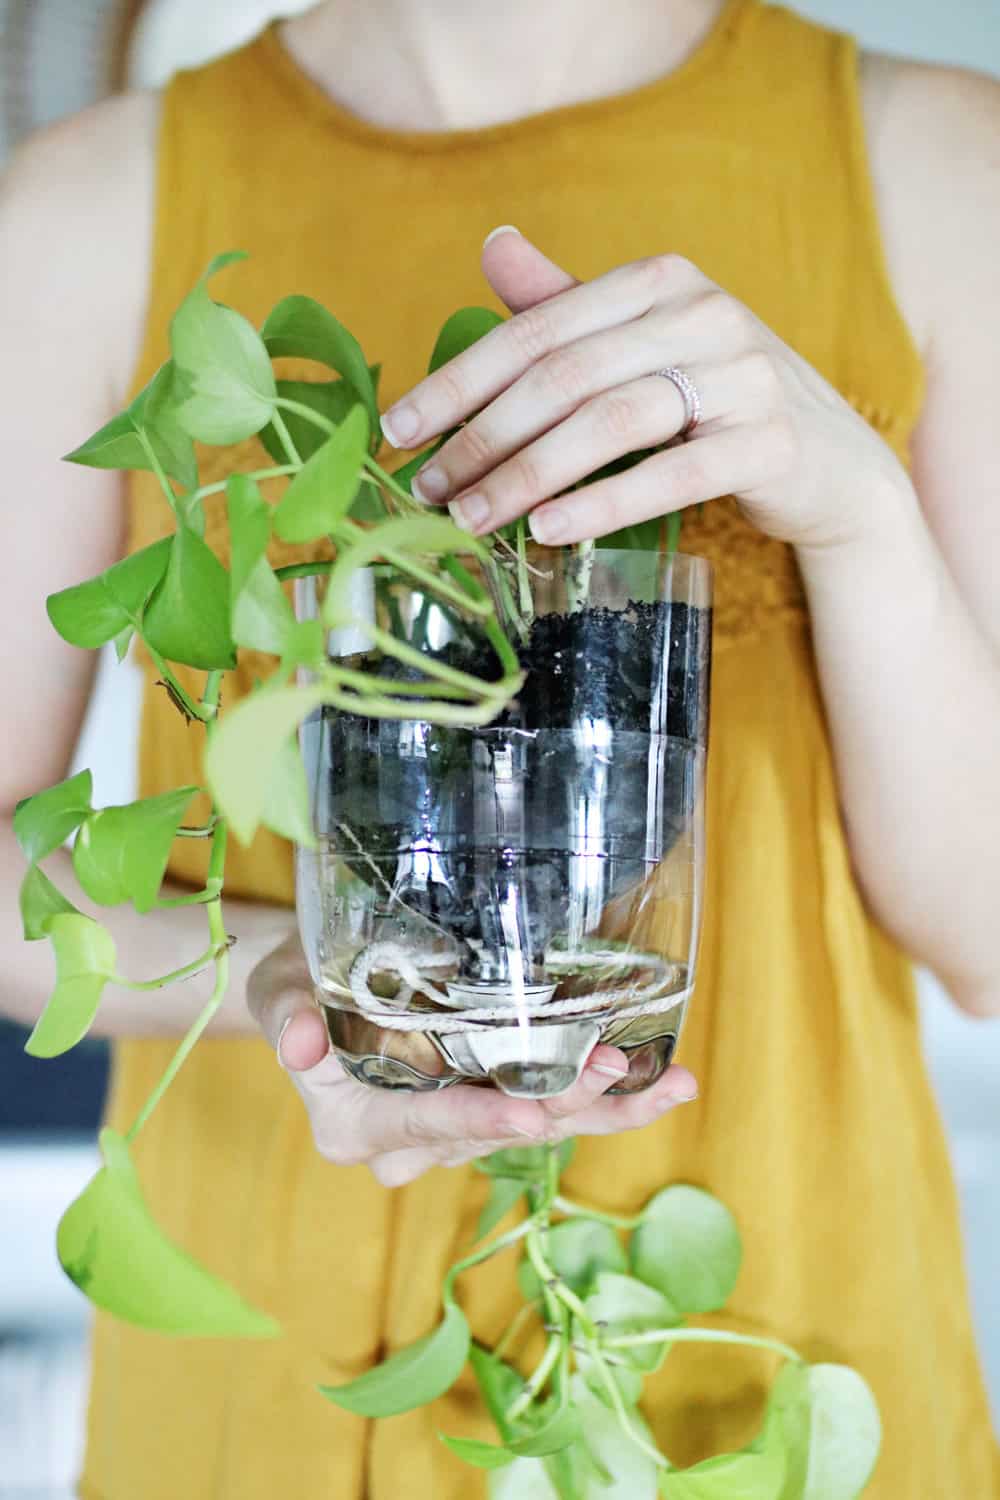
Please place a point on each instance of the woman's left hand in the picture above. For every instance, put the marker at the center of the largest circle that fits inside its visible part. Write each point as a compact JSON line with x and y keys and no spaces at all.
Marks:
{"x":568,"y":384}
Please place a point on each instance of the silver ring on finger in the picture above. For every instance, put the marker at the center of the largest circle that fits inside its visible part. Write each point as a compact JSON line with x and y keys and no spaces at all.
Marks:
{"x":689,"y":395}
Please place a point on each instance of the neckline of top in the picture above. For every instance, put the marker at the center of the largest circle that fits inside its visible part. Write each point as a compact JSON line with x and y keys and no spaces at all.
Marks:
{"x":314,"y":97}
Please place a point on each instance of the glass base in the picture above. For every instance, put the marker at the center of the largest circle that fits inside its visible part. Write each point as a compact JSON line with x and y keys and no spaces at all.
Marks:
{"x":540,"y":1064}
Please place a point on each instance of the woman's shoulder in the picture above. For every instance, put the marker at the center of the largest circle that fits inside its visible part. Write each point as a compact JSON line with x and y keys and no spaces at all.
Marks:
{"x":76,"y":215}
{"x":934,"y":146}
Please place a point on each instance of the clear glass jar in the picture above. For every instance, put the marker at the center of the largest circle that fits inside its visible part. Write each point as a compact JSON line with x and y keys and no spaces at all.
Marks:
{"x":486,"y":904}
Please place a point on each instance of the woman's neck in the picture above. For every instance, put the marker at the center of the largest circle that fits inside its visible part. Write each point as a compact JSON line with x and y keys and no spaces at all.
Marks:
{"x":465,"y":64}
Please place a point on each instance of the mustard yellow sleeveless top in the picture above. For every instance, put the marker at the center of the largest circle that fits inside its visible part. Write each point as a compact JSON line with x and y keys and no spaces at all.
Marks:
{"x":815,"y":1122}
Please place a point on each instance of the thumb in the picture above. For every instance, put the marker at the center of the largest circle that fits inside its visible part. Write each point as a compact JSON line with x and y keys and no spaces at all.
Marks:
{"x":519,"y":273}
{"x":280,"y":999}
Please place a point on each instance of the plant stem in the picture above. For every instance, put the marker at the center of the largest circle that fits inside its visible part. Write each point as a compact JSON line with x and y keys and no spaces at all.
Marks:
{"x":523,"y":583}
{"x":165,"y":979}
{"x":191,"y":708}
{"x":546,"y":1365}
{"x":383,"y":477}
{"x":302,"y":570}
{"x":436,"y":584}
{"x":196,"y":898}
{"x":157,"y":469}
{"x":305,"y":412}
{"x":485,"y":1252}
{"x":611,"y":1386}
{"x":700,"y":1336}
{"x":220,"y":948}
{"x":585,"y":556}
{"x":368,"y":683}
{"x":285,"y":437}
{"x":578,"y":1210}
{"x":281,"y":471}
{"x":204,"y":832}
{"x":490,"y":625}
{"x":565,"y":1294}
{"x":476,"y":687}
{"x":515,"y":1324}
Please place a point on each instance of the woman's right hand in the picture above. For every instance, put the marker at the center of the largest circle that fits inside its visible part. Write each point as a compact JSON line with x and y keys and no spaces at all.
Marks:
{"x":400,"y":1135}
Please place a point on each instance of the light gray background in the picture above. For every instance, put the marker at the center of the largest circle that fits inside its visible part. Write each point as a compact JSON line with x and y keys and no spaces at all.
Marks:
{"x":41,"y":1373}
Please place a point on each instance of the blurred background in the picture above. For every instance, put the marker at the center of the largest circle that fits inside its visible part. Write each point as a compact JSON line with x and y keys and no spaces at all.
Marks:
{"x":55,"y":57}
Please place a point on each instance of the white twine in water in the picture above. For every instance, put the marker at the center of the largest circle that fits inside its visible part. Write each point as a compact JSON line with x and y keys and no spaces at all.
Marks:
{"x":393,"y":958}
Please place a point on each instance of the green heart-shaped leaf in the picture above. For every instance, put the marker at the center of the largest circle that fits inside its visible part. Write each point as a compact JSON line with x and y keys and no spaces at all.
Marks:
{"x":85,"y":961}
{"x":286,"y":800}
{"x":421,"y":535}
{"x":627,"y":1377}
{"x":624,"y":1305}
{"x":46,"y":820}
{"x":413,"y":1376}
{"x":301,"y":328}
{"x":504,"y":1193}
{"x":260,"y":615}
{"x":525,"y":1479}
{"x":108,"y":606}
{"x":688,"y":1247}
{"x":576,"y":1249}
{"x":241,"y":756}
{"x":633,"y":1473}
{"x":331,"y":399}
{"x":480,"y":1455}
{"x":463,"y":329}
{"x":500,"y":1385}
{"x":39,"y":900}
{"x":845,"y":1433}
{"x":117,"y":445}
{"x":525,"y":1163}
{"x":110,"y":1247}
{"x":749,"y":1475}
{"x":225,"y":386}
{"x":559,"y":1430}
{"x":187,"y":619}
{"x":155,"y":412}
{"x":121,"y":853}
{"x":322,"y":492}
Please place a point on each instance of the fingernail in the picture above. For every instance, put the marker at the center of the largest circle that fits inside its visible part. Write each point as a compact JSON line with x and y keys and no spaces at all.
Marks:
{"x":531,"y":1135}
{"x":548,"y":524}
{"x":609,"y":1071}
{"x":502,"y":229}
{"x":431,"y":484}
{"x":684,"y":1091}
{"x":281,"y":1037}
{"x":400,"y":425}
{"x":470,"y":512}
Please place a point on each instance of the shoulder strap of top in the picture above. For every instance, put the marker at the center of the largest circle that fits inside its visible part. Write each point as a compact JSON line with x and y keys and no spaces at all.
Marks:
{"x":796,"y":89}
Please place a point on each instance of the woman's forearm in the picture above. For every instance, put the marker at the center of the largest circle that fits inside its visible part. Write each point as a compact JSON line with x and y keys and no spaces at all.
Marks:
{"x":912,"y":692}
{"x":148,"y":946}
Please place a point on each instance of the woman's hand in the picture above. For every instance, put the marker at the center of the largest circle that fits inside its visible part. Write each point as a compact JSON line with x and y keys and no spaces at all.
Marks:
{"x":568,"y":384}
{"x":400,"y":1135}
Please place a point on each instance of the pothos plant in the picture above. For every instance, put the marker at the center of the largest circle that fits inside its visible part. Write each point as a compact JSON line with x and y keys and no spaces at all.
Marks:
{"x":611,"y":1308}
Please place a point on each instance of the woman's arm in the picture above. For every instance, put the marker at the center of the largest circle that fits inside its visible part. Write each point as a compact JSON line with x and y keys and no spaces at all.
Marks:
{"x":907,"y":619}
{"x":904,"y":616}
{"x":75,"y":211}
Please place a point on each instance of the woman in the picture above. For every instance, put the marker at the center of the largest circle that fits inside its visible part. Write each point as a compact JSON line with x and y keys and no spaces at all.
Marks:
{"x":812,"y":241}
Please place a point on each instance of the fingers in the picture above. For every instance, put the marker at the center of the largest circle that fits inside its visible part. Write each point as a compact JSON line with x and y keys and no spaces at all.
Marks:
{"x":602,"y":1116}
{"x":466,"y":383}
{"x":633,"y":1111}
{"x":280,"y":999}
{"x":518,"y":271}
{"x":627,"y":419}
{"x":702,"y":469}
{"x":589,"y":377}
